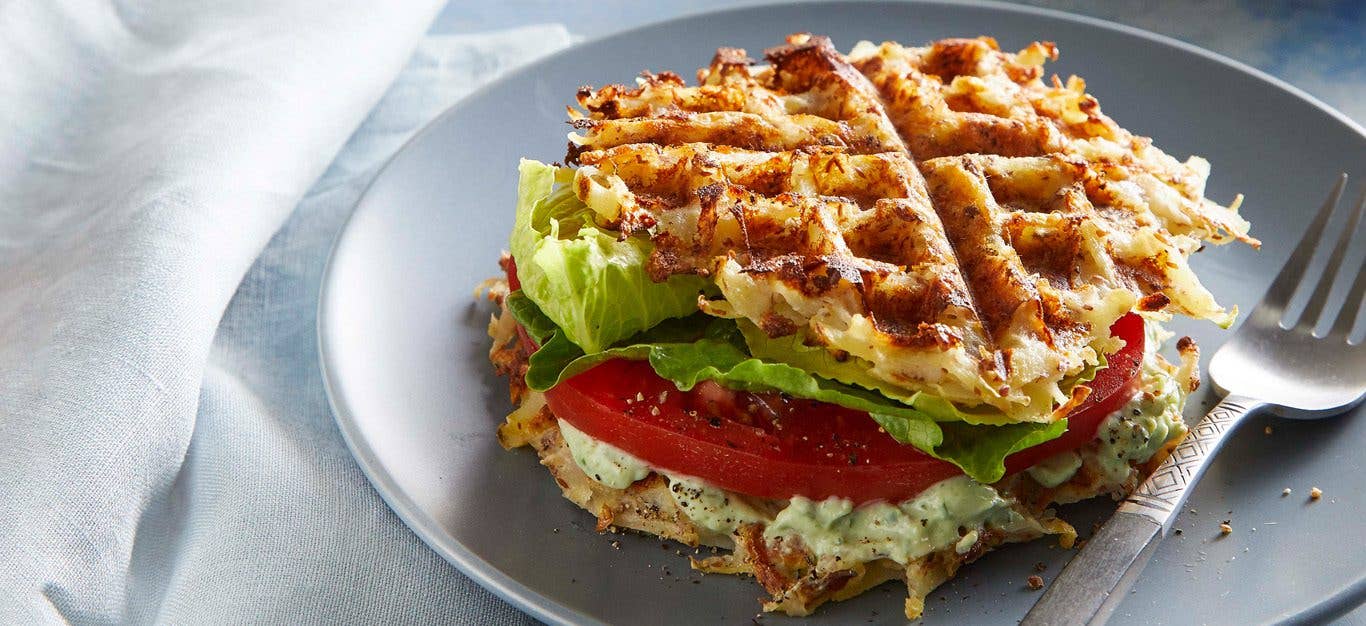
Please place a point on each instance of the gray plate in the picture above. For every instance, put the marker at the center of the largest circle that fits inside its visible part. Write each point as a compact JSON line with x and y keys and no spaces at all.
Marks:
{"x":403,"y":344}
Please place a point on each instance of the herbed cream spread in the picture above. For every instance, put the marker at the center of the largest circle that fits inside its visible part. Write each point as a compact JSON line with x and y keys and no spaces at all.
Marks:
{"x":1134,"y":432}
{"x":828,"y":528}
{"x":951,"y":513}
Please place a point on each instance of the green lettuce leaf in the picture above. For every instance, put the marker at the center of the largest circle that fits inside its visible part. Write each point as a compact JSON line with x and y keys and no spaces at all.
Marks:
{"x":698,"y":348}
{"x":536,"y":324}
{"x":986,"y":447}
{"x":792,"y":350}
{"x":591,"y":283}
{"x":672,"y":346}
{"x":979,"y":450}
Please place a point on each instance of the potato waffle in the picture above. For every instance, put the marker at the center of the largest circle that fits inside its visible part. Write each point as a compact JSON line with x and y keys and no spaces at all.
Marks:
{"x":939,"y":214}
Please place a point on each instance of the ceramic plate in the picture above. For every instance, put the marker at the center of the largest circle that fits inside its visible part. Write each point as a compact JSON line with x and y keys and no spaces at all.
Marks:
{"x":404,"y":349}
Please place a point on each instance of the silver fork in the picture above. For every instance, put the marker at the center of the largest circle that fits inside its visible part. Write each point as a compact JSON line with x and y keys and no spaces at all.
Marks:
{"x":1273,"y":362}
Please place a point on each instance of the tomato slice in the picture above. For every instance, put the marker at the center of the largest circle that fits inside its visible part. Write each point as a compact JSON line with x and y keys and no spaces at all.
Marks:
{"x":1110,"y":389}
{"x":774,"y":446}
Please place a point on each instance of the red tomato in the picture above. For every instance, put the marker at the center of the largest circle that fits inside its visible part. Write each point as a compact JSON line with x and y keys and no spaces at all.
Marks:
{"x":1111,"y":388}
{"x":774,"y":446}
{"x":511,"y":269}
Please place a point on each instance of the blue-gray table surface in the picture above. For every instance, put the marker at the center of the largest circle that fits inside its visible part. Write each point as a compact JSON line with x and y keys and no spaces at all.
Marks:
{"x":1316,"y":45}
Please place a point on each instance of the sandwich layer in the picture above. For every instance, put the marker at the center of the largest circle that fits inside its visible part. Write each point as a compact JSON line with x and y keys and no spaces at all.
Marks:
{"x":807,"y":552}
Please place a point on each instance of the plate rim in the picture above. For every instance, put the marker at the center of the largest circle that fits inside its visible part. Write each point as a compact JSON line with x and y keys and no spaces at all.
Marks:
{"x":522,"y":596}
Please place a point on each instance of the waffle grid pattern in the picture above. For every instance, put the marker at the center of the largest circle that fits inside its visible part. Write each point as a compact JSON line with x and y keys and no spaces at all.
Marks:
{"x":939,"y":212}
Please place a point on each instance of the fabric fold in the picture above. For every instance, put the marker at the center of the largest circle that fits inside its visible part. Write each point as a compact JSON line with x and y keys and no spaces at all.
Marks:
{"x":150,"y":152}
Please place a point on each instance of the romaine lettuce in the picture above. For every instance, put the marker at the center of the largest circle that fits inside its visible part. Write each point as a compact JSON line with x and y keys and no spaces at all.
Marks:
{"x":590,"y":282}
{"x":854,"y":371}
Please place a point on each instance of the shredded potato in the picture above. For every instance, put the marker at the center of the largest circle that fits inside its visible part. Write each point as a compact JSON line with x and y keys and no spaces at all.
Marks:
{"x":940,"y":212}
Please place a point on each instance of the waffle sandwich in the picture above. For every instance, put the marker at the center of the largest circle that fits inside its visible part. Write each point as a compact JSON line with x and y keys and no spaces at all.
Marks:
{"x":854,"y":317}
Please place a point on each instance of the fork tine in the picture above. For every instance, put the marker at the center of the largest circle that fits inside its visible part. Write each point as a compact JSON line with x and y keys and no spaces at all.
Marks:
{"x":1355,"y":302}
{"x":1283,"y":287}
{"x":1314,"y":307}
{"x":1356,"y":296}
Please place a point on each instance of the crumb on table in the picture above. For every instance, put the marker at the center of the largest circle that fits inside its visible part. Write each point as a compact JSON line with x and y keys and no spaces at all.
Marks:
{"x":1035,"y":582}
{"x":1315,"y":493}
{"x":1225,"y":528}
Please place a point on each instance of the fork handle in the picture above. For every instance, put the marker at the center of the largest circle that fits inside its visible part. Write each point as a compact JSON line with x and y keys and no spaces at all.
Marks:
{"x":1111,"y":560}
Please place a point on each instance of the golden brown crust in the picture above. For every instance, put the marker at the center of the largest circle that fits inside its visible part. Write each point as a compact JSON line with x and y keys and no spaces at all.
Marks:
{"x":984,"y":223}
{"x":645,"y":505}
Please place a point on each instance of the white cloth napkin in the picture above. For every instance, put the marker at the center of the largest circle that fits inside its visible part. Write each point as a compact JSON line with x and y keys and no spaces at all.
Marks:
{"x":167,"y":455}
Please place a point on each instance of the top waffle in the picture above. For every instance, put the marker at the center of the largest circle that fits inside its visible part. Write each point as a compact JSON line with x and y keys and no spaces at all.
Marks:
{"x":939,"y":214}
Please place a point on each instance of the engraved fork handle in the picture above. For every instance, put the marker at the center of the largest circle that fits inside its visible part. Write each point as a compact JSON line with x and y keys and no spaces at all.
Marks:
{"x":1111,"y":560}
